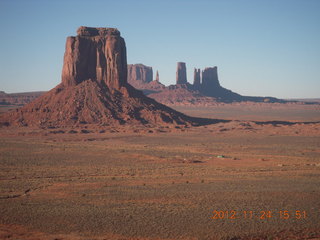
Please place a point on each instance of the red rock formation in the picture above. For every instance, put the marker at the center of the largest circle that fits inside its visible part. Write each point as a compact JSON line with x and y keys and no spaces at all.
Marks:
{"x":210,"y":77}
{"x":98,"y":54}
{"x":139,"y":74}
{"x":94,"y":89}
{"x":140,"y":77}
{"x":181,"y":75}
{"x":211,"y":87}
{"x":202,"y":92}
{"x":196,"y":78}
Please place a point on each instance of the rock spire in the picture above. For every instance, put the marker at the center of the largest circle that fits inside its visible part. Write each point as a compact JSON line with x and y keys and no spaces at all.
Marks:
{"x":94,"y":90}
{"x":196,"y":78}
{"x":181,"y":75}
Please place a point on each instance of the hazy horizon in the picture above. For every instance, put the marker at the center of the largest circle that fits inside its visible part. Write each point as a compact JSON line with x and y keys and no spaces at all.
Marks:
{"x":261,"y":48}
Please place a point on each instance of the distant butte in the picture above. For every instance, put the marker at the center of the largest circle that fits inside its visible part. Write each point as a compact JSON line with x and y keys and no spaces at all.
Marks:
{"x":141,"y":77}
{"x":206,"y":89}
{"x":181,"y":75}
{"x":94,"y":89}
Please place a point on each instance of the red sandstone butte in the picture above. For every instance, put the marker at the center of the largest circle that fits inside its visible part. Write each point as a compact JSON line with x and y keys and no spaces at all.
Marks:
{"x":94,"y":89}
{"x":181,"y":75}
{"x":140,"y":77}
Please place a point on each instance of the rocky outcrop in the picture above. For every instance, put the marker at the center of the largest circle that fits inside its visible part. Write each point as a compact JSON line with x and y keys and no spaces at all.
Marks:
{"x":210,"y":78}
{"x":181,"y":75}
{"x":139,"y":74}
{"x":205,"y":89}
{"x":211,"y":87}
{"x":98,"y":54}
{"x":94,"y":90}
{"x":196,"y":78}
{"x":140,"y":77}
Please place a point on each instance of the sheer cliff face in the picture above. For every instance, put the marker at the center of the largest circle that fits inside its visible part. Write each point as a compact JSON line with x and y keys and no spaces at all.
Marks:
{"x":196,"y":78}
{"x":94,"y":90}
{"x":181,"y":75}
{"x":205,"y":89}
{"x":98,"y":54}
{"x":141,"y":77}
{"x":210,"y":78}
{"x":139,"y":73}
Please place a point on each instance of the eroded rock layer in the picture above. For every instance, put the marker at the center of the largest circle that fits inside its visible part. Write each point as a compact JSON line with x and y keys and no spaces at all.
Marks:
{"x":181,"y":75}
{"x":205,"y":90}
{"x":94,"y":89}
{"x":196,"y":78}
{"x":98,"y":54}
{"x":139,"y":74}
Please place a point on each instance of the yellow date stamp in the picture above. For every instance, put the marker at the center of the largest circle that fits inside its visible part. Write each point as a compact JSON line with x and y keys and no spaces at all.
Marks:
{"x":262,"y":215}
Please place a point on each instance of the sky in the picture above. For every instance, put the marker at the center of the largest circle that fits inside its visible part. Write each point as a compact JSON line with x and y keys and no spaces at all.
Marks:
{"x":261,"y":47}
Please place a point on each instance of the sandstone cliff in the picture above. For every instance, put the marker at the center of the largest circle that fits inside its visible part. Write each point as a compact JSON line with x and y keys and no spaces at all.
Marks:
{"x":94,"y":90}
{"x":98,"y":54}
{"x":181,"y":75}
{"x":205,"y":90}
{"x":139,"y":74}
{"x":196,"y":78}
{"x":141,"y":77}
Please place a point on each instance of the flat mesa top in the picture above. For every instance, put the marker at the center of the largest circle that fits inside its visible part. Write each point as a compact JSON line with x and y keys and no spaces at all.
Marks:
{"x":92,"y":32}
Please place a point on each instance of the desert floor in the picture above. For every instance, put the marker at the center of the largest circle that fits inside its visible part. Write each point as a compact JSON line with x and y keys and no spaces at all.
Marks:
{"x":167,"y":185}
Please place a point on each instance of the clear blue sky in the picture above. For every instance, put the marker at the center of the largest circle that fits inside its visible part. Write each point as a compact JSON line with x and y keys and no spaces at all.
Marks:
{"x":261,"y":47}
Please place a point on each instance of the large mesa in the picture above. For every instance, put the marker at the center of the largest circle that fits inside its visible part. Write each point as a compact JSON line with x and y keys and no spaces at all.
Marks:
{"x":94,"y":90}
{"x":98,"y":54}
{"x":141,"y":77}
{"x":139,"y":74}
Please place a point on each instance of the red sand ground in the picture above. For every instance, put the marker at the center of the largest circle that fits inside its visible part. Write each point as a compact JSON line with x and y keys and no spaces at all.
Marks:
{"x":164,"y":184}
